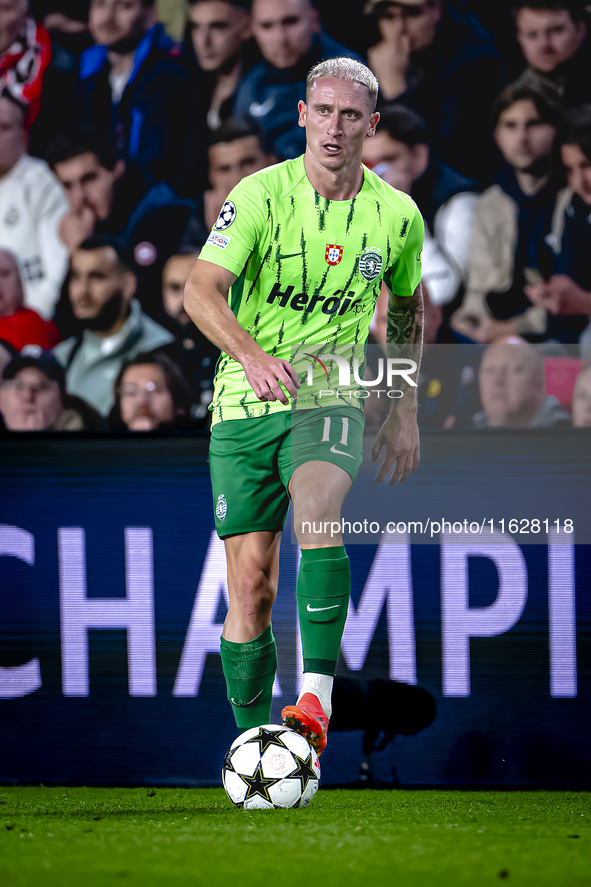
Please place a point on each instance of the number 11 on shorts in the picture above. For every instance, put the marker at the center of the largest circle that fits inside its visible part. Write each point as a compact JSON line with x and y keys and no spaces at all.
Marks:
{"x":326,"y":430}
{"x":344,"y":436}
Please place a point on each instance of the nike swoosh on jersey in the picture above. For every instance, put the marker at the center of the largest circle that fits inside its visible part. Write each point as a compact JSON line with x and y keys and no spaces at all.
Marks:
{"x":246,"y":704}
{"x":289,"y":256}
{"x":334,"y":450}
{"x":261,"y":109}
{"x":318,"y":609}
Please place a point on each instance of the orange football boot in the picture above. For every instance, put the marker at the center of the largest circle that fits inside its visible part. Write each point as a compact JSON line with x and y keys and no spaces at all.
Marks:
{"x":307,"y":717}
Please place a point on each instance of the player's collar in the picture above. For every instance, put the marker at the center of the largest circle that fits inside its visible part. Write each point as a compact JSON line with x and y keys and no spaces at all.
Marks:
{"x":304,"y":183}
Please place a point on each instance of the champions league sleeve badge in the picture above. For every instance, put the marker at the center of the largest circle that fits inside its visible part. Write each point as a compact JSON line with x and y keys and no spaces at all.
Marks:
{"x":226,"y":216}
{"x":370,"y":263}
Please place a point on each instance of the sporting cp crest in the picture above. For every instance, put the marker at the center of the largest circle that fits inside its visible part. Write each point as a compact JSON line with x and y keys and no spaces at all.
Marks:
{"x":370,"y":265}
{"x":221,"y":507}
{"x":333,"y":254}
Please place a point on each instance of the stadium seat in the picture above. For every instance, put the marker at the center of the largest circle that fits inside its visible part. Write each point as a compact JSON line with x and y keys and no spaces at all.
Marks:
{"x":561,"y":374}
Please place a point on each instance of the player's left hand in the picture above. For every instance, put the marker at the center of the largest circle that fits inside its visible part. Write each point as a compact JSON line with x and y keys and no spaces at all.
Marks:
{"x":400,"y":435}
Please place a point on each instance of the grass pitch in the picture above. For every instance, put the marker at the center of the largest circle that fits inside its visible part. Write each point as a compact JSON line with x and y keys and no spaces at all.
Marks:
{"x":90,"y":837}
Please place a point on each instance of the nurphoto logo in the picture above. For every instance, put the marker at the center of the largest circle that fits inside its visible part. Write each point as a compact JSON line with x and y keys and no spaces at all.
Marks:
{"x":387,"y":369}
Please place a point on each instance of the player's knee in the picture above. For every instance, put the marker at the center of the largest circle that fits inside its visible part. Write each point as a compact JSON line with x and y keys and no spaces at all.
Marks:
{"x":319,"y":506}
{"x":254,"y":594}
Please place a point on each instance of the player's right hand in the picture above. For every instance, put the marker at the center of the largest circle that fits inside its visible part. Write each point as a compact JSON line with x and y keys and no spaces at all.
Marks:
{"x":266,"y":374}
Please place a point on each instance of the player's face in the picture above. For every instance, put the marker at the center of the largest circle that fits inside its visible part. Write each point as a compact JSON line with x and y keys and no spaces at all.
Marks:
{"x":578,"y":171}
{"x":338,"y":119}
{"x":509,"y":381}
{"x":174,"y":277}
{"x":394,"y":162}
{"x":284,"y":30}
{"x":582,"y":400}
{"x":217,"y":31}
{"x":548,"y":37}
{"x":95,"y":278}
{"x":523,"y":139}
{"x":110,"y":21}
{"x":229,"y":162}
{"x":31,"y":401}
{"x":87,"y":184}
{"x":11,"y":288}
{"x":145,"y":399}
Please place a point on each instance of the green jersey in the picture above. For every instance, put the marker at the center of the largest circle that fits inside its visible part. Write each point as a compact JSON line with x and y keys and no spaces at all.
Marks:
{"x":308,"y":269}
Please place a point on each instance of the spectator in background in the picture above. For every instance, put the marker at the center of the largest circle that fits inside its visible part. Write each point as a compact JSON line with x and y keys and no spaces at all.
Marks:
{"x":399,"y":153}
{"x":512,"y":385}
{"x":112,"y":325}
{"x":235,"y":151}
{"x":33,"y":396}
{"x":553,"y":38}
{"x":32,"y":205}
{"x":290,"y":38}
{"x":406,"y":135}
{"x":510,"y":220}
{"x":151,"y":393}
{"x":88,"y":170}
{"x":20,"y":326}
{"x":133,"y":85}
{"x":148,"y":221}
{"x":582,"y":399}
{"x":25,"y":51}
{"x":566,"y":295}
{"x":103,"y":199}
{"x":191,"y":350}
{"x":437,"y":58}
{"x":174,"y":278}
{"x":218,"y":33}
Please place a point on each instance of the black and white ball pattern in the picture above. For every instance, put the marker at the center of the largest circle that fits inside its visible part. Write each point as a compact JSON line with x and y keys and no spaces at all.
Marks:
{"x":270,"y":767}
{"x":226,"y":216}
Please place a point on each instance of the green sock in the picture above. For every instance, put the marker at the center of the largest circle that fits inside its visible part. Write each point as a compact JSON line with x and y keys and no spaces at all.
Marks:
{"x":323,"y":588}
{"x":249,"y":670}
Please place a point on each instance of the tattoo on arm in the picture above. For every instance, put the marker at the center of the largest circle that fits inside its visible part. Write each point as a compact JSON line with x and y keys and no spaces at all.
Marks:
{"x":405,"y":319}
{"x":405,"y":328}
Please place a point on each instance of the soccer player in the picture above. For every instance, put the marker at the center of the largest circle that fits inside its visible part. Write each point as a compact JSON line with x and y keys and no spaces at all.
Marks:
{"x":302,"y":248}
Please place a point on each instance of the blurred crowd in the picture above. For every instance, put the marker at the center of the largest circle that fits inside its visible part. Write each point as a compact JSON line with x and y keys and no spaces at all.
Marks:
{"x":124,"y":124}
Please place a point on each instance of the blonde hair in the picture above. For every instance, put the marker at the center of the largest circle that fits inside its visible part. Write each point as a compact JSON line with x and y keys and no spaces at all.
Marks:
{"x":346,"y":69}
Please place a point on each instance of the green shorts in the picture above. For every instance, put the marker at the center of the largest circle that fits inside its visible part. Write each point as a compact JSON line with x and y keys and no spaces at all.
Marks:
{"x":252,"y":461}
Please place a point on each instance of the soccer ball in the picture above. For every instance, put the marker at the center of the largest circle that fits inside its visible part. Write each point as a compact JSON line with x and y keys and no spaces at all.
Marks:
{"x":270,"y":766}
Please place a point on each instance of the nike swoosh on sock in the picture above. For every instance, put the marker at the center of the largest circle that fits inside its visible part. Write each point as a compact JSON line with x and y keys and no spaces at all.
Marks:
{"x":246,"y":704}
